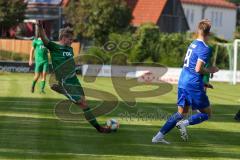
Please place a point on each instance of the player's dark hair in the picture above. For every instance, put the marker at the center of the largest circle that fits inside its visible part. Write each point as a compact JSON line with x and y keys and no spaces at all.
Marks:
{"x":204,"y":26}
{"x":65,"y":32}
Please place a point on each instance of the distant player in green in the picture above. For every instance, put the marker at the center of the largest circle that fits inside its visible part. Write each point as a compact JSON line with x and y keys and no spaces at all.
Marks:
{"x":40,"y":53}
{"x":67,"y":82}
{"x":207,"y":77}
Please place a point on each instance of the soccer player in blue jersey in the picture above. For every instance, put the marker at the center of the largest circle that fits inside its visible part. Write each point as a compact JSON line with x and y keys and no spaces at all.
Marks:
{"x":191,"y":86}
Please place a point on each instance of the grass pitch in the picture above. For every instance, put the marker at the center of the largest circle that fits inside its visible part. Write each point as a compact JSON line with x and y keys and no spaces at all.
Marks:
{"x":30,"y":130}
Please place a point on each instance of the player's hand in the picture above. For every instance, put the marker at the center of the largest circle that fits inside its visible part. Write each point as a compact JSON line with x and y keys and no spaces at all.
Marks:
{"x":211,"y":75}
{"x":39,"y":23}
{"x":213,"y":69}
{"x":30,"y":63}
{"x":208,"y":86}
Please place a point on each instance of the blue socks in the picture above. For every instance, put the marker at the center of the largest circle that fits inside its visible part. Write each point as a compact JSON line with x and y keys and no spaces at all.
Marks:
{"x":171,"y":122}
{"x":197,"y":118}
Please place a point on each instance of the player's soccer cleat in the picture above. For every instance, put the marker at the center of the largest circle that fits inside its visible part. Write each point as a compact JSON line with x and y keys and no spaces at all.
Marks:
{"x":42,"y":92}
{"x":237,"y":116}
{"x":104,"y":129}
{"x":159,"y":140}
{"x":32,"y":90}
{"x":183,"y":131}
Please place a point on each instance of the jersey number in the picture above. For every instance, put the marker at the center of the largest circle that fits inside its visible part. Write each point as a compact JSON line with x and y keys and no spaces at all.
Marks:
{"x":187,"y":58}
{"x":67,"y":54}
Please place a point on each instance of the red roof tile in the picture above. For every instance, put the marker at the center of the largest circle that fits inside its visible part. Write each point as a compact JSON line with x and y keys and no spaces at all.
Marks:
{"x":145,"y":11}
{"x":65,"y":2}
{"x":214,"y":3}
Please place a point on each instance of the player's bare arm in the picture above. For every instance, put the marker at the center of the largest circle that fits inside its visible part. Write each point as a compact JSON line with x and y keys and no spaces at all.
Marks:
{"x":42,"y":33}
{"x":31,"y":56}
{"x":202,"y":70}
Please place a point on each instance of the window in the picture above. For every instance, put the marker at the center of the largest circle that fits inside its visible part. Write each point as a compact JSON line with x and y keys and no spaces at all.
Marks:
{"x":189,"y":15}
{"x":192,"y":16}
{"x":216,"y":18}
{"x":220,"y":19}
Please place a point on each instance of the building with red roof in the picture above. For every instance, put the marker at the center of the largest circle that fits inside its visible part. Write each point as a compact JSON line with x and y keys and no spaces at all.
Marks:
{"x":167,"y":14}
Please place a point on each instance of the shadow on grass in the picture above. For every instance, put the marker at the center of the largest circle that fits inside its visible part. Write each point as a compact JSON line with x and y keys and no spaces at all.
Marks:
{"x":47,"y":138}
{"x":37,"y":134}
{"x":143,"y":111}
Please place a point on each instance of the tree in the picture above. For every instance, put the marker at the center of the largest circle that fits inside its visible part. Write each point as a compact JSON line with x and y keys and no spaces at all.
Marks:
{"x":97,"y":18}
{"x":11,"y":13}
{"x":235,"y":1}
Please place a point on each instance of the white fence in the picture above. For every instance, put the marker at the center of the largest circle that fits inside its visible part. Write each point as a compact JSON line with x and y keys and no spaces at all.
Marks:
{"x":150,"y":74}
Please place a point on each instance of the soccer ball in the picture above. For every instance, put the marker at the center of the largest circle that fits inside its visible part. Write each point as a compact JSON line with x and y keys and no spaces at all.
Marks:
{"x":113,"y":124}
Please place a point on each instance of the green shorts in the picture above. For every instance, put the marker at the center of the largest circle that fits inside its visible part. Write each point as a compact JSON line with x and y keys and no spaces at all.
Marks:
{"x":71,"y":88}
{"x":41,"y":67}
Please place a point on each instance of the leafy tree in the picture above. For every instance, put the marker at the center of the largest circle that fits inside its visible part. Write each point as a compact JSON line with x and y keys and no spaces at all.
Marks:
{"x":235,"y":1}
{"x":11,"y":13}
{"x":146,"y":35}
{"x":98,"y":18}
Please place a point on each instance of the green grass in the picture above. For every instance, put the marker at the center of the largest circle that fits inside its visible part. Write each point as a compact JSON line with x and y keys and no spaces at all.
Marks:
{"x":30,"y":130}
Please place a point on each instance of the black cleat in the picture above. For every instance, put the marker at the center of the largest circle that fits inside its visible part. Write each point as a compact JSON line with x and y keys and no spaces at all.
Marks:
{"x":237,"y":116}
{"x":104,"y":129}
{"x":42,"y":92}
{"x":32,"y":90}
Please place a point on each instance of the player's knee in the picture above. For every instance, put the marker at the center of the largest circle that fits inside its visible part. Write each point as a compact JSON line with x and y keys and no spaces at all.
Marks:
{"x":182,"y":111}
{"x":36,"y":77}
{"x":207,"y":111}
{"x":82,"y":103}
{"x":209,"y":115}
{"x":182,"y":114}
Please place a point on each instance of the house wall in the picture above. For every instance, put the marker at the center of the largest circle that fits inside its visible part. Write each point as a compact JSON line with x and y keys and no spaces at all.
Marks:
{"x":223,"y":19}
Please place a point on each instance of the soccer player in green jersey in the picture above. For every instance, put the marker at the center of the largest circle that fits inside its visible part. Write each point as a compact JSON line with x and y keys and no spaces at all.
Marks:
{"x":65,"y":74}
{"x":40,"y":53}
{"x":206,"y":77}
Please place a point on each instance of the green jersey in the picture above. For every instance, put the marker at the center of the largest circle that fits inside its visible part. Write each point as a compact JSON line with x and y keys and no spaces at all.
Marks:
{"x":64,"y":69}
{"x":62,"y":60}
{"x":40,"y":51}
{"x":206,"y":77}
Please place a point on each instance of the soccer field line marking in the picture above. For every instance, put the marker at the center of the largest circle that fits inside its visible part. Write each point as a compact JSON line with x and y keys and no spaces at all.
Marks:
{"x":28,"y":103}
{"x":80,"y":154}
{"x":35,"y":116}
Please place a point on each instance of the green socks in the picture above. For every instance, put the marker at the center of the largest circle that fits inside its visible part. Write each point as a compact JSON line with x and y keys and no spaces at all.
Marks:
{"x":33,"y":86}
{"x":91,"y":118}
{"x":42,"y":85}
{"x":34,"y":83}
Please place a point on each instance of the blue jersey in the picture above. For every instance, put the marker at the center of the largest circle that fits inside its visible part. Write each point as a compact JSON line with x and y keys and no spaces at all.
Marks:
{"x":189,"y":78}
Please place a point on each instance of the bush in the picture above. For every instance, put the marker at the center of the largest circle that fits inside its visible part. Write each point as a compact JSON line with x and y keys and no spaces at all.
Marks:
{"x":163,"y":48}
{"x":149,"y":45}
{"x":118,"y":43}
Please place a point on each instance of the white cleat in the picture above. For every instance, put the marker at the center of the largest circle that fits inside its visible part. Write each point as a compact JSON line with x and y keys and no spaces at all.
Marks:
{"x":159,"y":140}
{"x":182,"y":130}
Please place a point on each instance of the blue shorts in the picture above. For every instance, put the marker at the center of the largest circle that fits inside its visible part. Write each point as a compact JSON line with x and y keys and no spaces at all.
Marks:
{"x":197,"y":99}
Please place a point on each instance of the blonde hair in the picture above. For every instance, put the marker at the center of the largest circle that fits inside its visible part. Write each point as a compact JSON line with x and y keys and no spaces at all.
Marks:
{"x":204,"y":26}
{"x":65,"y":32}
